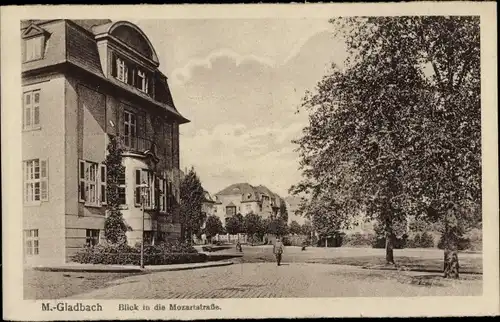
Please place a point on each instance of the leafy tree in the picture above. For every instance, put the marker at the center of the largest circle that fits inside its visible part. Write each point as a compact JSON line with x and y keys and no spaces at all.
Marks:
{"x":278,"y":227}
{"x":192,"y":197}
{"x":396,"y":132}
{"x":295,"y":228}
{"x":115,"y":227}
{"x":283,"y":212}
{"x":213,"y":226}
{"x":306,"y":228}
{"x":252,"y":224}
{"x":262,"y":228}
{"x":233,"y":225}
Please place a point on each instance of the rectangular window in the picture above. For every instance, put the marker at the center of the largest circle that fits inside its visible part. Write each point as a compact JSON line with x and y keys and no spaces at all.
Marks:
{"x":92,"y":183}
{"x":121,"y":188}
{"x":145,"y":196}
{"x":33,"y":48}
{"x":230,"y":211}
{"x":163,"y":194}
{"x":130,"y":130}
{"x":121,"y":70}
{"x":31,"y":242}
{"x":148,"y":237}
{"x":35,"y":181}
{"x":31,"y":110}
{"x":92,"y":237}
{"x":142,"y":81}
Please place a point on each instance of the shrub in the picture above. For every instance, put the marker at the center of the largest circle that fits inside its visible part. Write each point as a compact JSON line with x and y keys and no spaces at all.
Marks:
{"x":162,"y":254}
{"x":421,"y":241}
{"x":462,"y":243}
{"x":426,"y":241}
{"x":286,"y":241}
{"x":414,"y":242}
{"x":358,"y":240}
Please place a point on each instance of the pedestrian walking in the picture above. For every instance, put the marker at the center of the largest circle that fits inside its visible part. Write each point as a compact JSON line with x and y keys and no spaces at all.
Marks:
{"x":278,"y":250}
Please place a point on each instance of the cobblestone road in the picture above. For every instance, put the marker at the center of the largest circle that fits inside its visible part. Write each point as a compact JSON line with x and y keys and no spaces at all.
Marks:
{"x":266,"y":280}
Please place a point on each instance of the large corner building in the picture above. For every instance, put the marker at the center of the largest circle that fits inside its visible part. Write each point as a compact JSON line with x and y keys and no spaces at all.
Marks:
{"x":83,"y":82}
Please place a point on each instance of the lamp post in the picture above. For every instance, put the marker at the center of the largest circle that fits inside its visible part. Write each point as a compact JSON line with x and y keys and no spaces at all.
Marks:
{"x":143,"y":188}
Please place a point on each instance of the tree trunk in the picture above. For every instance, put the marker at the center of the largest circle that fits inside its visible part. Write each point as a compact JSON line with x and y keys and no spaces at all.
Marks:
{"x":389,"y":241}
{"x":451,"y":265}
{"x":389,"y":249}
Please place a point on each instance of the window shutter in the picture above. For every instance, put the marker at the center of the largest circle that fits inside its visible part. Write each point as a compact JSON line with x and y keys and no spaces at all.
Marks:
{"x":103,"y":174}
{"x":130,"y":74}
{"x":81,"y":181}
{"x":44,"y":180}
{"x":27,"y":109}
{"x":36,"y":108}
{"x":155,"y":191}
{"x":137,"y":190}
{"x":113,"y":65}
{"x":149,"y":84}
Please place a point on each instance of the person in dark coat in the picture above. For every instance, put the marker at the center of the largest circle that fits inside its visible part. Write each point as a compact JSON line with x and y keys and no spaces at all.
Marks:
{"x":278,"y":249}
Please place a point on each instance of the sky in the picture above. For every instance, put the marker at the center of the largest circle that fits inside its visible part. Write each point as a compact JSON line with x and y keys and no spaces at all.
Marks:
{"x":240,"y":82}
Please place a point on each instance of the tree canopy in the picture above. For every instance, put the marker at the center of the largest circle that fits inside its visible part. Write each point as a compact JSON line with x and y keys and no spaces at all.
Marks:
{"x":213,"y":226}
{"x":192,"y":196}
{"x":396,"y":131}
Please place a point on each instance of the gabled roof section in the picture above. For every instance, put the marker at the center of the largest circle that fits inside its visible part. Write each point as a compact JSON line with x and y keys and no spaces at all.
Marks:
{"x":231,"y":204}
{"x":33,"y":30}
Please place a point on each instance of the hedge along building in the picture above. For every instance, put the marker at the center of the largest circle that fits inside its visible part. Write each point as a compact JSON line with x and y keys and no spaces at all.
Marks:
{"x":83,"y":82}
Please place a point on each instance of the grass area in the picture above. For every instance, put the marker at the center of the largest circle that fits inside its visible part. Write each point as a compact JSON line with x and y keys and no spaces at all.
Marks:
{"x":53,"y":285}
{"x":467,"y":265}
{"x":421,"y":260}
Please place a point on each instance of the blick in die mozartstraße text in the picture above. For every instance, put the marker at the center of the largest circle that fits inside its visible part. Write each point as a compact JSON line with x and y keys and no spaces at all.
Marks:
{"x":171,"y":307}
{"x":80,"y":307}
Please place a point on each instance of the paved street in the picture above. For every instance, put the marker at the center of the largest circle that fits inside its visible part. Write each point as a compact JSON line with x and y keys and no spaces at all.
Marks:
{"x":266,"y":280}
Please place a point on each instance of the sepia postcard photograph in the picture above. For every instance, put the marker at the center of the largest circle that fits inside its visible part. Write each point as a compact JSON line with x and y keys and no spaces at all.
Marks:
{"x":249,"y":161}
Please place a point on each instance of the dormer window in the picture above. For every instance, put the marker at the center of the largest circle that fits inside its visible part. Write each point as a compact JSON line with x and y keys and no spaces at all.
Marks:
{"x":142,"y":81}
{"x":121,"y":70}
{"x":33,"y":43}
{"x":34,"y":48}
{"x":129,"y":73}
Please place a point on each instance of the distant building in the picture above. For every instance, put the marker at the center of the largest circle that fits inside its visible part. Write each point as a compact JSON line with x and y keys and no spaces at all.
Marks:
{"x":208,"y":207}
{"x":244,"y":198}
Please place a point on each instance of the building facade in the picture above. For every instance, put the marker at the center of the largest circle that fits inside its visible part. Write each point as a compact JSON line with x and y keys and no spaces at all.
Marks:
{"x":85,"y":82}
{"x":244,"y":198}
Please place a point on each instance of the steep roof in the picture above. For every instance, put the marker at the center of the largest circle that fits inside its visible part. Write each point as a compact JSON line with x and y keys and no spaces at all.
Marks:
{"x":208,"y":197}
{"x":249,"y":192}
{"x":73,"y":42}
{"x":238,"y":189}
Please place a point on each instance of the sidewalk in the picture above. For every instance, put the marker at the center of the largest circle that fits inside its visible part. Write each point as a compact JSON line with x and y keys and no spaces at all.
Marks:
{"x":91,"y":268}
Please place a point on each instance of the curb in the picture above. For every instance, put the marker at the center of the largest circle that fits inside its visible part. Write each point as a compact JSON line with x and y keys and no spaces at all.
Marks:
{"x":127,"y":270}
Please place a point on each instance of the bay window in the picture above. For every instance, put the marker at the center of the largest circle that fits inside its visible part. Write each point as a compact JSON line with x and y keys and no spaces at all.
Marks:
{"x":144,"y":196}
